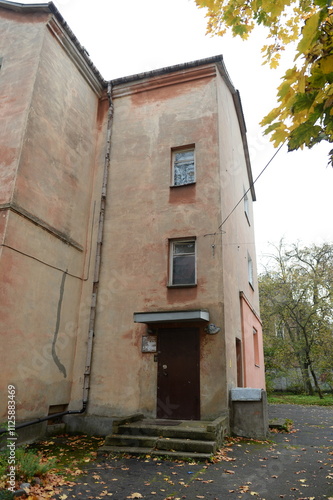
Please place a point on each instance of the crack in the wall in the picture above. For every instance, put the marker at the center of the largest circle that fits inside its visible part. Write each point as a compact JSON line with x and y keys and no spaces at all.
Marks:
{"x":56,"y":331}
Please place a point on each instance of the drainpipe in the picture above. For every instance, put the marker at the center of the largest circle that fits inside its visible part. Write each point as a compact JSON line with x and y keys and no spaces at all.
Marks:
{"x":87,"y":371}
{"x":92,"y":319}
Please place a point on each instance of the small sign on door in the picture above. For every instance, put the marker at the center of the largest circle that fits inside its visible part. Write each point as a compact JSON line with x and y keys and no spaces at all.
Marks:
{"x":149,"y":344}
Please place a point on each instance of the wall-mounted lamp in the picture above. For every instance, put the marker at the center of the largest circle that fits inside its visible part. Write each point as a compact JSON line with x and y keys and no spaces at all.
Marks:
{"x":212,"y":329}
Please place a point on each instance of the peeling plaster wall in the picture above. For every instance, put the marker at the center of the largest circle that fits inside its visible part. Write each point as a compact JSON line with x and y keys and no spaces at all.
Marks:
{"x":53,"y":124}
{"x":52,"y":119}
{"x":237,"y":242}
{"x":20,"y":45}
{"x":143,"y":213}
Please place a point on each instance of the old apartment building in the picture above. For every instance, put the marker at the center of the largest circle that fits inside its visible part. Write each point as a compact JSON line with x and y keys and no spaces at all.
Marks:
{"x":125,"y":285}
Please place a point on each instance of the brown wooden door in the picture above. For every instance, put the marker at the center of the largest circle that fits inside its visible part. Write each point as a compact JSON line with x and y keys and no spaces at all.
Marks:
{"x":239,"y":363}
{"x":178,"y":379}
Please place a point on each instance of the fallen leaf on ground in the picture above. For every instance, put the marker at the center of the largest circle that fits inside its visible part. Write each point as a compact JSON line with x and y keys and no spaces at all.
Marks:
{"x":135,"y":495}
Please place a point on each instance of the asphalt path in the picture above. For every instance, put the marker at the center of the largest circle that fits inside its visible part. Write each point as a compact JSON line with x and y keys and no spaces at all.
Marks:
{"x":292,"y":466}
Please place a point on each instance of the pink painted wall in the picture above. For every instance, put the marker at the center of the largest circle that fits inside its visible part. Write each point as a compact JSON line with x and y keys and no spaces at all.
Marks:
{"x":252,"y":345}
{"x":50,"y":181}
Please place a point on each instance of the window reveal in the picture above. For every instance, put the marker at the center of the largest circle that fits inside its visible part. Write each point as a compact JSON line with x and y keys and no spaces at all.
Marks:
{"x":183,"y":262}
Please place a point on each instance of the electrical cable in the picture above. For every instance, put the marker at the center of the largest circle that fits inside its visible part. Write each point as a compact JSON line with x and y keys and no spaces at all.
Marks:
{"x":251,"y":185}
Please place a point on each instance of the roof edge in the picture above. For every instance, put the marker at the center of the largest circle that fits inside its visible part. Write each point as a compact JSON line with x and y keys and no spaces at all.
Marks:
{"x":30,"y":7}
{"x":167,"y":69}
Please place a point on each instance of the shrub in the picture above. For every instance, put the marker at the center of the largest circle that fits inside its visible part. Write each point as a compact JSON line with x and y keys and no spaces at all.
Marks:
{"x":29,"y":464}
{"x":6,"y":495}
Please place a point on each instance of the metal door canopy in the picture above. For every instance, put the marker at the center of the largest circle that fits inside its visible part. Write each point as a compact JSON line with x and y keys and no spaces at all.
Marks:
{"x":168,"y":316}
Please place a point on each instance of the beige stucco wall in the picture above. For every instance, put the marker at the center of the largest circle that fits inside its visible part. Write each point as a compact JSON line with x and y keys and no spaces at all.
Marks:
{"x":143,"y":213}
{"x":20,"y":44}
{"x":237,"y":239}
{"x":53,"y":145}
{"x":53,"y":208}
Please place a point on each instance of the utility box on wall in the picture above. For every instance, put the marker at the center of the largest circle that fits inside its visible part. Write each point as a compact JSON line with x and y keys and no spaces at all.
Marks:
{"x":249,"y":414}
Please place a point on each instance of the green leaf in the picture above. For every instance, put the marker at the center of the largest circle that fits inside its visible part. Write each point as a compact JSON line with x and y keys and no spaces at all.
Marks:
{"x":284,"y":89}
{"x":317,"y":79}
{"x":272,"y":127}
{"x":272,"y":115}
{"x":240,"y":30}
{"x":323,"y":3}
{"x":326,"y":64}
{"x":303,"y":101}
{"x":303,"y":135}
{"x":310,"y":33}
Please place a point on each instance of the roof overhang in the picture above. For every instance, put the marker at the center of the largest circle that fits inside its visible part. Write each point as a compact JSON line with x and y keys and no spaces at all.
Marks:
{"x":198,"y":315}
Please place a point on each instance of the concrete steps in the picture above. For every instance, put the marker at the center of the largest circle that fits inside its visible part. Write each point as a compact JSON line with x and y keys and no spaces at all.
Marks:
{"x":181,"y":455}
{"x":179,"y":439}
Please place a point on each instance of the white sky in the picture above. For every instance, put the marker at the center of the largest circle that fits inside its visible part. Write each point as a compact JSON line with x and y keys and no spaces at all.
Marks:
{"x":132,"y":36}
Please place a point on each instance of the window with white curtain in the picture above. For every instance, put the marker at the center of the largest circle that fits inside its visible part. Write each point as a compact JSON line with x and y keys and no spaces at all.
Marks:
{"x":183,"y":166}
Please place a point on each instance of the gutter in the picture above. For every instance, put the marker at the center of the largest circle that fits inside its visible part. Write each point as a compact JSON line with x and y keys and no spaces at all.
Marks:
{"x":91,"y":334}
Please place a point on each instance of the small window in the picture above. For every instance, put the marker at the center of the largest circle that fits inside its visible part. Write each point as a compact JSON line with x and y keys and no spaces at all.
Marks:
{"x":182,"y":262}
{"x":246,"y":207}
{"x":250,"y":269}
{"x":183,"y":167}
{"x":256,"y":347}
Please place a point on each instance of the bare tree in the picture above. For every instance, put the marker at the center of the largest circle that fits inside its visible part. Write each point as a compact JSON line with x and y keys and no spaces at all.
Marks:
{"x":296,"y":292}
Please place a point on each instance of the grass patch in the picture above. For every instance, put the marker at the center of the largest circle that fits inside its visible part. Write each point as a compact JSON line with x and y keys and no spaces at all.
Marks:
{"x":70,"y":453}
{"x":300,"y":399}
{"x":49,"y":465}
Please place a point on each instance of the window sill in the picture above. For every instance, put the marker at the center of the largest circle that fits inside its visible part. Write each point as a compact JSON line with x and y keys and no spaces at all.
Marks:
{"x":182,"y":185}
{"x":182,"y":286}
{"x":257,"y":366}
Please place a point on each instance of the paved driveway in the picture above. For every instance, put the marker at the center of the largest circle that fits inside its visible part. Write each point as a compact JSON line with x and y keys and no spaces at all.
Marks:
{"x":291,"y":466}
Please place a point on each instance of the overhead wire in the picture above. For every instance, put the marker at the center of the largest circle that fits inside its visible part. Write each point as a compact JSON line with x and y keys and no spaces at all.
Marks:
{"x":251,"y":185}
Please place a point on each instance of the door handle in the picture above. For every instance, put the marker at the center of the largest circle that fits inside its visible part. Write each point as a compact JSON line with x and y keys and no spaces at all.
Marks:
{"x":165,"y":367}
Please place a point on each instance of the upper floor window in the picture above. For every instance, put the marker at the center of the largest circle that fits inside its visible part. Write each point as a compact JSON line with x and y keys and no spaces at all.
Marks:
{"x":255,"y":346}
{"x":183,"y":262}
{"x":250,"y":269}
{"x":183,"y":166}
{"x":246,"y":206}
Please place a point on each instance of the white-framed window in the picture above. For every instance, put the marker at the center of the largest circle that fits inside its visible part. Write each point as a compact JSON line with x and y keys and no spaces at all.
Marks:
{"x":250,"y":269}
{"x":246,"y":206}
{"x":183,"y":166}
{"x":182,"y":262}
